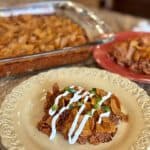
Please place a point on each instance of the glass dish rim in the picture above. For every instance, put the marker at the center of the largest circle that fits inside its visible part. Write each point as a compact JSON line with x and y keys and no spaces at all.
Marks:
{"x":79,"y":8}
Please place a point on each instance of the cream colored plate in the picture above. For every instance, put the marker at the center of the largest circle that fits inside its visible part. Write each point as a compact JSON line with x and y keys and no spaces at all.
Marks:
{"x":23,"y":107}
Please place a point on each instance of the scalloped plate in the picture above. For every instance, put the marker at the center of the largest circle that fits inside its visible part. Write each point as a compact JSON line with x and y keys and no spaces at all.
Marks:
{"x":23,"y":107}
{"x":101,"y":55}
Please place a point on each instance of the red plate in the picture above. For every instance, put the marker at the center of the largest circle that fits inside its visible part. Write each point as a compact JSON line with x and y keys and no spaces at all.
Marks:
{"x":101,"y":55}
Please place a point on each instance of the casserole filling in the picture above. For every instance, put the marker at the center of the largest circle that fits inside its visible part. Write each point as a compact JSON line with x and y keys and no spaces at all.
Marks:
{"x":31,"y":34}
{"x":81,"y":115}
{"x":133,"y":54}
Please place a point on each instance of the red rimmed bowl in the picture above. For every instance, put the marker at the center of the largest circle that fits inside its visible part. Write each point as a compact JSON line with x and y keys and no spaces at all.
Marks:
{"x":102,"y":57}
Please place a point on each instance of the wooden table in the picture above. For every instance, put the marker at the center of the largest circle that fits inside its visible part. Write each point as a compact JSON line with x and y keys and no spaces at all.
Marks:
{"x":117,"y":22}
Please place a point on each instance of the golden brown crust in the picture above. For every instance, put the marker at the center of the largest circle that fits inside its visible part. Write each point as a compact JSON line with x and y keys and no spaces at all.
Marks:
{"x":32,"y":34}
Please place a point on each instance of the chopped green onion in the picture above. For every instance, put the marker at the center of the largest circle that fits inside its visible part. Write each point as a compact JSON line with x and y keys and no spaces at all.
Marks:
{"x":70,"y":106}
{"x":54,"y":107}
{"x":98,"y":99}
{"x":93,"y":91}
{"x":96,"y":106}
{"x":79,"y":103}
{"x":89,"y":113}
{"x":106,"y":108}
{"x":70,"y":90}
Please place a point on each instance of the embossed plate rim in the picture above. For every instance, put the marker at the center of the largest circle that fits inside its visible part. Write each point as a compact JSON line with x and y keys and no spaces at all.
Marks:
{"x":7,"y":131}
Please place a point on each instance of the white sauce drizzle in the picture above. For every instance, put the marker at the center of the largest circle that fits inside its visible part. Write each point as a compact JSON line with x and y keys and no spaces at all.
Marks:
{"x":81,"y":126}
{"x":85,"y":119}
{"x":71,"y":131}
{"x":76,"y":97}
{"x":103,"y":115}
{"x":51,"y":111}
{"x":104,"y":98}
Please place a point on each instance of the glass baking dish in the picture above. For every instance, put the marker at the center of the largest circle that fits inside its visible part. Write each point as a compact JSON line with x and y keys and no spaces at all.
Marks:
{"x":93,"y":26}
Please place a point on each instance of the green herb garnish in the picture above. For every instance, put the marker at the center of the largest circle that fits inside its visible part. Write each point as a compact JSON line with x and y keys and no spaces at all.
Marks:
{"x":70,"y":90}
{"x":89,"y":113}
{"x":106,"y":108}
{"x":93,"y":91}
{"x":54,"y":107}
{"x":98,"y":99}
{"x":79,"y":104}
{"x":70,"y":106}
{"x":96,"y":106}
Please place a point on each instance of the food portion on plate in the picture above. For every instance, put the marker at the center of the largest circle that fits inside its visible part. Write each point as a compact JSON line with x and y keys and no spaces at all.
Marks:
{"x":133,"y":54}
{"x":26,"y":117}
{"x":81,"y":115}
{"x":31,"y":34}
{"x":128,"y":55}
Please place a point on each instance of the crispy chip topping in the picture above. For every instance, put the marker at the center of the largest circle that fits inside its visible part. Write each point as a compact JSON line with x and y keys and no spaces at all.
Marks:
{"x":102,"y":109}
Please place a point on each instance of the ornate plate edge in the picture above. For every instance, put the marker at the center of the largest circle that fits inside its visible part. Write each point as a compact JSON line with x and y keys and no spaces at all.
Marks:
{"x":7,"y":132}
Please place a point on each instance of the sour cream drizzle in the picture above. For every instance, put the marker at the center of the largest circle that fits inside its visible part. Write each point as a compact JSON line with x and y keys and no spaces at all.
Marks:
{"x":76,"y":97}
{"x":79,"y":130}
{"x":73,"y":139}
{"x":73,"y":127}
{"x":51,"y":111}
{"x":103,"y":115}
